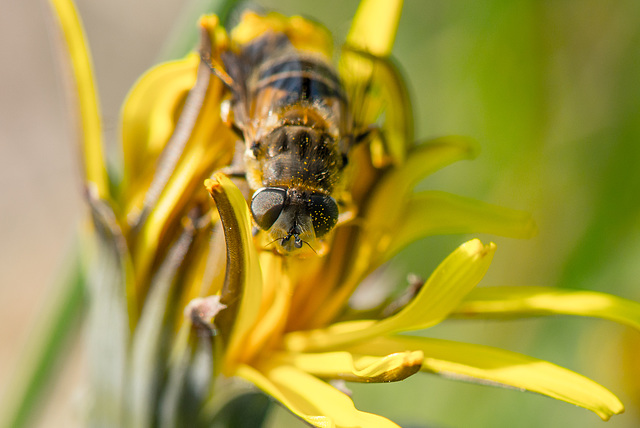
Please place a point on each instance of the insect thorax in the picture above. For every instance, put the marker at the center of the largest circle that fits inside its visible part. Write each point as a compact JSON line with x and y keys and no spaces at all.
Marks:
{"x":299,"y":156}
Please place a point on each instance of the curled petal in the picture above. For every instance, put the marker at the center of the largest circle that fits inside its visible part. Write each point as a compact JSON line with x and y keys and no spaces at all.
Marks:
{"x":242,"y":290}
{"x":311,"y":399}
{"x":498,"y":367}
{"x":514,"y":301}
{"x":355,"y":368}
{"x":442,"y":293}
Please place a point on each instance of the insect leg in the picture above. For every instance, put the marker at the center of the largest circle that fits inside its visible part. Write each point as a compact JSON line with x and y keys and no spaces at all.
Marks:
{"x":237,"y":167}
{"x":381,"y":148}
{"x":218,"y":70}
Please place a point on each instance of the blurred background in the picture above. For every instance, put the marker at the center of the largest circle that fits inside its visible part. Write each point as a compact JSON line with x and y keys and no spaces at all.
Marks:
{"x":550,"y":89}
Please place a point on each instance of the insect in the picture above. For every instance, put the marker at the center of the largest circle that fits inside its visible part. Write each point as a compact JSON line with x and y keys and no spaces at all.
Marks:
{"x":291,"y":110}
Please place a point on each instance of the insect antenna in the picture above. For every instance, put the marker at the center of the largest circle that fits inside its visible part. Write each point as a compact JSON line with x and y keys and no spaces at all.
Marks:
{"x":309,"y":245}
{"x":277,"y":239}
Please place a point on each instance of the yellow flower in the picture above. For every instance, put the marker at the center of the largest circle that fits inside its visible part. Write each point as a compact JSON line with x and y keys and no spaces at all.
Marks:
{"x":282,"y":323}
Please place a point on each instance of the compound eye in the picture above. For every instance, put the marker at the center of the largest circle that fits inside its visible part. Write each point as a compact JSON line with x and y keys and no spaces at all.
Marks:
{"x":266,"y":206}
{"x":324,"y":213}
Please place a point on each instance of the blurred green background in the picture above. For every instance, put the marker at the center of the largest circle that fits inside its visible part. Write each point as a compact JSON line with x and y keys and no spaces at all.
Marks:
{"x":551,"y":89}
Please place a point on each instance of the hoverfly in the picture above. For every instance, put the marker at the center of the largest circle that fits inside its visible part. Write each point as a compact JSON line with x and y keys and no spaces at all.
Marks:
{"x":291,"y":109}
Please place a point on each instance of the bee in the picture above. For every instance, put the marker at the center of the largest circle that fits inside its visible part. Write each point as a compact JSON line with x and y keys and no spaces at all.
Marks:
{"x":290,"y":108}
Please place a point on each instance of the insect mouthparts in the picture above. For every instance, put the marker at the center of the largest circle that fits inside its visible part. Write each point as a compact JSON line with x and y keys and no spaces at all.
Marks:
{"x":294,"y":232}
{"x":297,"y":242}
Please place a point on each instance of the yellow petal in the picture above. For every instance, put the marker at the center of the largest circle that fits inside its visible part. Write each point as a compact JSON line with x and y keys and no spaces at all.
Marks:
{"x":517,"y":301}
{"x":374,"y":84}
{"x":310,"y":36}
{"x":356,"y":368}
{"x":311,"y":399}
{"x":275,"y":306}
{"x":303,"y":34}
{"x":205,"y":277}
{"x":150,"y":113}
{"x":199,"y":144}
{"x":486,"y":365}
{"x":442,"y":293}
{"x":374,"y":26}
{"x":195,"y":133}
{"x":175,"y":195}
{"x":252,"y":25}
{"x":94,"y":162}
{"x":423,"y":160}
{"x":242,"y":291}
{"x":180,"y":190}
{"x":435,"y":213}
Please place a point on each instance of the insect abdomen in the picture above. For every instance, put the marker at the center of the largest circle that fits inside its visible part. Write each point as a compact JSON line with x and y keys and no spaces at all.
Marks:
{"x":297,"y":79}
{"x":290,"y":80}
